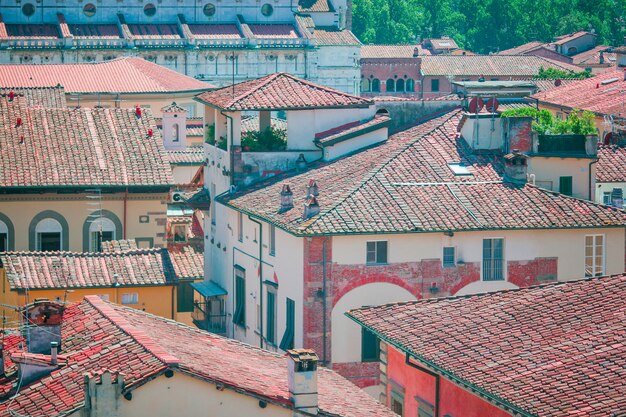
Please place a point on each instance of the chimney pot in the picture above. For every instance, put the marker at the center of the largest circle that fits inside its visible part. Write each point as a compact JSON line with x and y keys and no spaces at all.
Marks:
{"x":311,"y":208}
{"x":313,"y":189}
{"x":286,"y":198}
{"x":11,"y":95}
{"x":150,"y":133}
{"x":302,"y":379}
{"x":137,"y":111}
{"x":54,"y":346}
{"x":301,"y":162}
{"x":18,"y":121}
{"x":624,"y":74}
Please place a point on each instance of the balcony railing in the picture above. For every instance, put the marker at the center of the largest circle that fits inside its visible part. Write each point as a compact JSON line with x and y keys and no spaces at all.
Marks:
{"x":214,"y":323}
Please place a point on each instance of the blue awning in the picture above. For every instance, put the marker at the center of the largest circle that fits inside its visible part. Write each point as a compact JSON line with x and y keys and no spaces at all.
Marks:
{"x":208,"y":289}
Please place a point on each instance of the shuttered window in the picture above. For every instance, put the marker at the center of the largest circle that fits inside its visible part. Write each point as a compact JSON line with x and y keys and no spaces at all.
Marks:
{"x":287,"y":340}
{"x":565,"y":185}
{"x":493,"y":259}
{"x":270,"y":335}
{"x":239,"y":318}
{"x":370,"y":347}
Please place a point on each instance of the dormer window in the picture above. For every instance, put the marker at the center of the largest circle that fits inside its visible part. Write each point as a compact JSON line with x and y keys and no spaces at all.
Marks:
{"x":459,"y":169}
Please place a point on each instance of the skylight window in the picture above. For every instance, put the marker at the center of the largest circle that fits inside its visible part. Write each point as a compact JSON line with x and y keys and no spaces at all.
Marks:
{"x":459,"y":169}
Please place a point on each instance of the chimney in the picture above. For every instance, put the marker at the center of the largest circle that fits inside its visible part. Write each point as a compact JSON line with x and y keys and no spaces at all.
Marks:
{"x":54,"y":346}
{"x":286,"y":199}
{"x":312,"y":189}
{"x":301,"y":163}
{"x":515,"y":167}
{"x":31,"y":367}
{"x":311,"y":207}
{"x":137,"y":110}
{"x":103,"y":391}
{"x":518,"y":133}
{"x":302,"y":378}
{"x":174,"y":127}
{"x":624,"y":74}
{"x":43,"y":322}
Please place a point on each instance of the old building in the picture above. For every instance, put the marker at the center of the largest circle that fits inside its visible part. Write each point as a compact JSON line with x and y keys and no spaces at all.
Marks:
{"x":100,"y":359}
{"x":434,"y":210}
{"x":552,"y":350}
{"x":217,"y":42}
{"x":442,"y":46}
{"x":391,"y":69}
{"x":71,"y":178}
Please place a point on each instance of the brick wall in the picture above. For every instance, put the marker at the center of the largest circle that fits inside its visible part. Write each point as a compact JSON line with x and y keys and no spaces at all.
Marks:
{"x":537,"y":271}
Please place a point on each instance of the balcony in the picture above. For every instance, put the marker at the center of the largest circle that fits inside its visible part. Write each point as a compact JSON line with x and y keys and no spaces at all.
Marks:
{"x":214,"y":323}
{"x":572,"y":146}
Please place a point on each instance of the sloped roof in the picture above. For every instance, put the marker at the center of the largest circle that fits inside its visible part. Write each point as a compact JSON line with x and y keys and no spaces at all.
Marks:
{"x":406,"y":185}
{"x":191,"y":155}
{"x":51,"y":97}
{"x":328,"y":35}
{"x":309,"y":6}
{"x":97,"y":335}
{"x":611,"y":166}
{"x":592,"y":56}
{"x":602,"y":94}
{"x":571,"y":36}
{"x":547,"y":350}
{"x":92,"y":147}
{"x":279,"y":91}
{"x":392,"y":51}
{"x":123,"y":75}
{"x":519,"y":50}
{"x":489,"y":65}
{"x":188,"y":262}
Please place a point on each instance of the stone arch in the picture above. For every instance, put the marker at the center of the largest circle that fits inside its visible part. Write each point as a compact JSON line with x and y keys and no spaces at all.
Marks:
{"x":376,"y":85}
{"x":400,"y":85}
{"x":48,"y":214}
{"x":390,"y":85}
{"x":119,"y":229}
{"x":10,"y":231}
{"x":365,"y":85}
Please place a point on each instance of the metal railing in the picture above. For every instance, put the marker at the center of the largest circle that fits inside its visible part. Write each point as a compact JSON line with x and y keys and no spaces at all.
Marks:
{"x":214,"y":323}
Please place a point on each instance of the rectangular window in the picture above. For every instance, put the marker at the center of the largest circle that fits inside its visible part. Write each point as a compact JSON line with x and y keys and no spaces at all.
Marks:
{"x":370,"y":346}
{"x":594,"y":255}
{"x":180,"y":233}
{"x":396,"y":403}
{"x":377,"y":252}
{"x":49,"y":241}
{"x":565,"y":185}
{"x":98,"y":237}
{"x":184,"y":296}
{"x":606,"y":198}
{"x":270,"y":333}
{"x":287,"y":340}
{"x":434,"y":86}
{"x":239,"y":318}
{"x":272,"y":240}
{"x":449,"y":256}
{"x":240,"y":226}
{"x":130,"y":298}
{"x":425,"y":409}
{"x":4,"y":242}
{"x":493,"y":259}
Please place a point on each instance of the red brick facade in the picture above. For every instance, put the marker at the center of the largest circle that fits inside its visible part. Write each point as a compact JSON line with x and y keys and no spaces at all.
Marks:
{"x":383,"y":69}
{"x":527,"y":273}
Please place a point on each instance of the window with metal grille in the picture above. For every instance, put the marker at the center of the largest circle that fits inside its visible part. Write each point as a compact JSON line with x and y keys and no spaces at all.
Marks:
{"x":594,"y":255}
{"x":370,"y":346}
{"x":449,"y":258}
{"x":287,"y":340}
{"x":239,"y":318}
{"x":377,"y":252}
{"x":270,"y":332}
{"x":493,"y":259}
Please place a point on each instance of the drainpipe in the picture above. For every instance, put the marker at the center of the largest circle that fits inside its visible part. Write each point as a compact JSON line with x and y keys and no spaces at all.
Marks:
{"x":232,"y":156}
{"x":590,"y":187}
{"x":431,"y":373}
{"x":173,"y":298}
{"x":125,"y":212}
{"x":260,"y":279}
{"x":324,"y":359}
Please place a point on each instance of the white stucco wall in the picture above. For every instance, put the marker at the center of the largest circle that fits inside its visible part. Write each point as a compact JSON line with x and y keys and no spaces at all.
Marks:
{"x":605,"y":187}
{"x":343,"y":148}
{"x":483,"y":132}
{"x":548,"y":171}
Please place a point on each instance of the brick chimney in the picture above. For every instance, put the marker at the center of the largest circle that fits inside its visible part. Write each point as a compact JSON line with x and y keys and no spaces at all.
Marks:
{"x":286,"y":199}
{"x":43,"y":322}
{"x":103,"y":391}
{"x":515,"y":167}
{"x":302,"y":378}
{"x":518,"y":133}
{"x":174,"y":127}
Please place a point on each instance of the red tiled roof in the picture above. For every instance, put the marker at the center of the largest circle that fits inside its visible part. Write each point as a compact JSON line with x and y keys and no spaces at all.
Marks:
{"x":273,"y":31}
{"x":489,"y":65}
{"x":602,"y":94}
{"x":164,"y":31}
{"x":522,"y":49}
{"x":97,"y":335}
{"x":308,"y":6}
{"x":192,"y":155}
{"x":555,"y":350}
{"x":392,"y":51}
{"x":406,"y":185}
{"x":32,"y":31}
{"x":570,"y":37}
{"x":279,"y":91}
{"x":122,"y":75}
{"x":333,"y":36}
{"x":592,"y":56}
{"x":92,"y":147}
{"x":188,"y":262}
{"x":50,"y":97}
{"x":95,"y":31}
{"x":119,"y":245}
{"x":40,"y":270}
{"x":344,"y":132}
{"x":546,"y":85}
{"x":611,"y":166}
{"x":444,"y":43}
{"x":208,"y":31}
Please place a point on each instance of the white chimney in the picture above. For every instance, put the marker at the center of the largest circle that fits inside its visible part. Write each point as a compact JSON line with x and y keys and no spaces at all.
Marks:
{"x":174,"y":128}
{"x":302,"y":378}
{"x":286,"y":198}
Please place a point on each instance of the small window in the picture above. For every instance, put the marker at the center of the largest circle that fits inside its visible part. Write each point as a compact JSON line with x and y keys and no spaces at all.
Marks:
{"x":130,"y":298}
{"x":4,"y":237}
{"x":89,"y":10}
{"x":209,"y":9}
{"x":449,"y":258}
{"x":425,"y":409}
{"x":370,"y":346}
{"x":565,"y":185}
{"x":287,"y":342}
{"x":28,"y":9}
{"x":396,"y":403}
{"x":48,"y":235}
{"x":400,"y":85}
{"x":239,"y":318}
{"x":459,"y":169}
{"x":144,"y":242}
{"x":184,"y":297}
{"x":267,"y":10}
{"x":434,"y":86}
{"x":391,"y":85}
{"x":493,"y":259}
{"x":175,"y":133}
{"x":410,"y":85}
{"x":180,"y":233}
{"x":272,"y":240}
{"x":270,"y":332}
{"x":606,"y":198}
{"x":594,"y":255}
{"x":377,"y":252}
{"x":101,"y":230}
{"x":240,"y":226}
{"x":149,"y":9}
{"x":212,"y":209}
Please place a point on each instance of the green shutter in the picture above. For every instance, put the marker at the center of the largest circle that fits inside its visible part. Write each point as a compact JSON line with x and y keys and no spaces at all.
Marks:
{"x":370,"y":346}
{"x":271,"y":318}
{"x":287,"y":340}
{"x":184,"y":297}
{"x":239,"y":318}
{"x":565,"y":185}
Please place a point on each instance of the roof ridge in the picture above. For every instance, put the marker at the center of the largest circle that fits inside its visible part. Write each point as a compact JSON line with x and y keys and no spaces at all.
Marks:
{"x":321,"y":87}
{"x":268,"y":79}
{"x":152,"y":346}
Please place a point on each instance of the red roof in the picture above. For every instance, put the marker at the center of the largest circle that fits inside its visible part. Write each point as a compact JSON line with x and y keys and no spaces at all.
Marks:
{"x":522,"y":49}
{"x":50,"y":97}
{"x":592,"y":56}
{"x":392,"y":51}
{"x":489,"y":65}
{"x":315,"y":6}
{"x":602,"y":94}
{"x":611,"y":166}
{"x":214,"y":31}
{"x":92,"y":147}
{"x":555,"y":350}
{"x":165,"y":31}
{"x":327,"y":35}
{"x":188,"y":262}
{"x":273,"y":31}
{"x":122,"y":75}
{"x":97,"y":335}
{"x":406,"y":185}
{"x":95,"y":31}
{"x":570,"y":37}
{"x":279,"y":91}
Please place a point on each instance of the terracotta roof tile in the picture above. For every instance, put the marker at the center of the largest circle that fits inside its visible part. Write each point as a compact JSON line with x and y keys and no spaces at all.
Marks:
{"x":443,"y":44}
{"x":611,"y":166}
{"x":50,"y":97}
{"x":97,"y":335}
{"x":333,"y":36}
{"x":279,"y":91}
{"x":188,"y":262}
{"x":570,"y":37}
{"x":489,"y":65}
{"x":592,"y":56}
{"x":550,"y":348}
{"x":406,"y":185}
{"x":209,"y":31}
{"x":32,"y":31}
{"x":95,"y":31}
{"x":522,"y":49}
{"x":190,"y":155}
{"x":147,"y":31}
{"x":315,"y":6}
{"x":273,"y":31}
{"x":122,"y":75}
{"x":93,"y":147}
{"x":392,"y":51}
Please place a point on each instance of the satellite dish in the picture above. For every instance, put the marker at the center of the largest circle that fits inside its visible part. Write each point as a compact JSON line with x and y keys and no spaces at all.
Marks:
{"x":476,"y":105}
{"x":492,"y":104}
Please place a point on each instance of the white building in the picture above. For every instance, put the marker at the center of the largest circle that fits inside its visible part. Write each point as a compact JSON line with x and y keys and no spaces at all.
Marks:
{"x":219,"y":42}
{"x":361,"y":220}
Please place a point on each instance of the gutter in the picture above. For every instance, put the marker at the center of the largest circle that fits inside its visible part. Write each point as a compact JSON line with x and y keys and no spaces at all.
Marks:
{"x":260,"y":279}
{"x":591,"y":191}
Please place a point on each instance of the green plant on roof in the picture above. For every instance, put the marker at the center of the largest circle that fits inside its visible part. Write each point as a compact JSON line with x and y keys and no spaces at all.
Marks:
{"x":210,"y":134}
{"x":271,"y":139}
{"x":557,"y":74}
{"x":544,"y":123}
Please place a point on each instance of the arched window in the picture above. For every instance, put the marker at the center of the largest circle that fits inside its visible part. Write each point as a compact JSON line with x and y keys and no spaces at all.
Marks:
{"x":4,"y":237}
{"x":100,"y":230}
{"x":400,"y":85}
{"x":365,"y":85}
{"x":376,"y":85}
{"x":391,"y":85}
{"x":175,"y":133}
{"x":410,"y":85}
{"x":48,"y":235}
